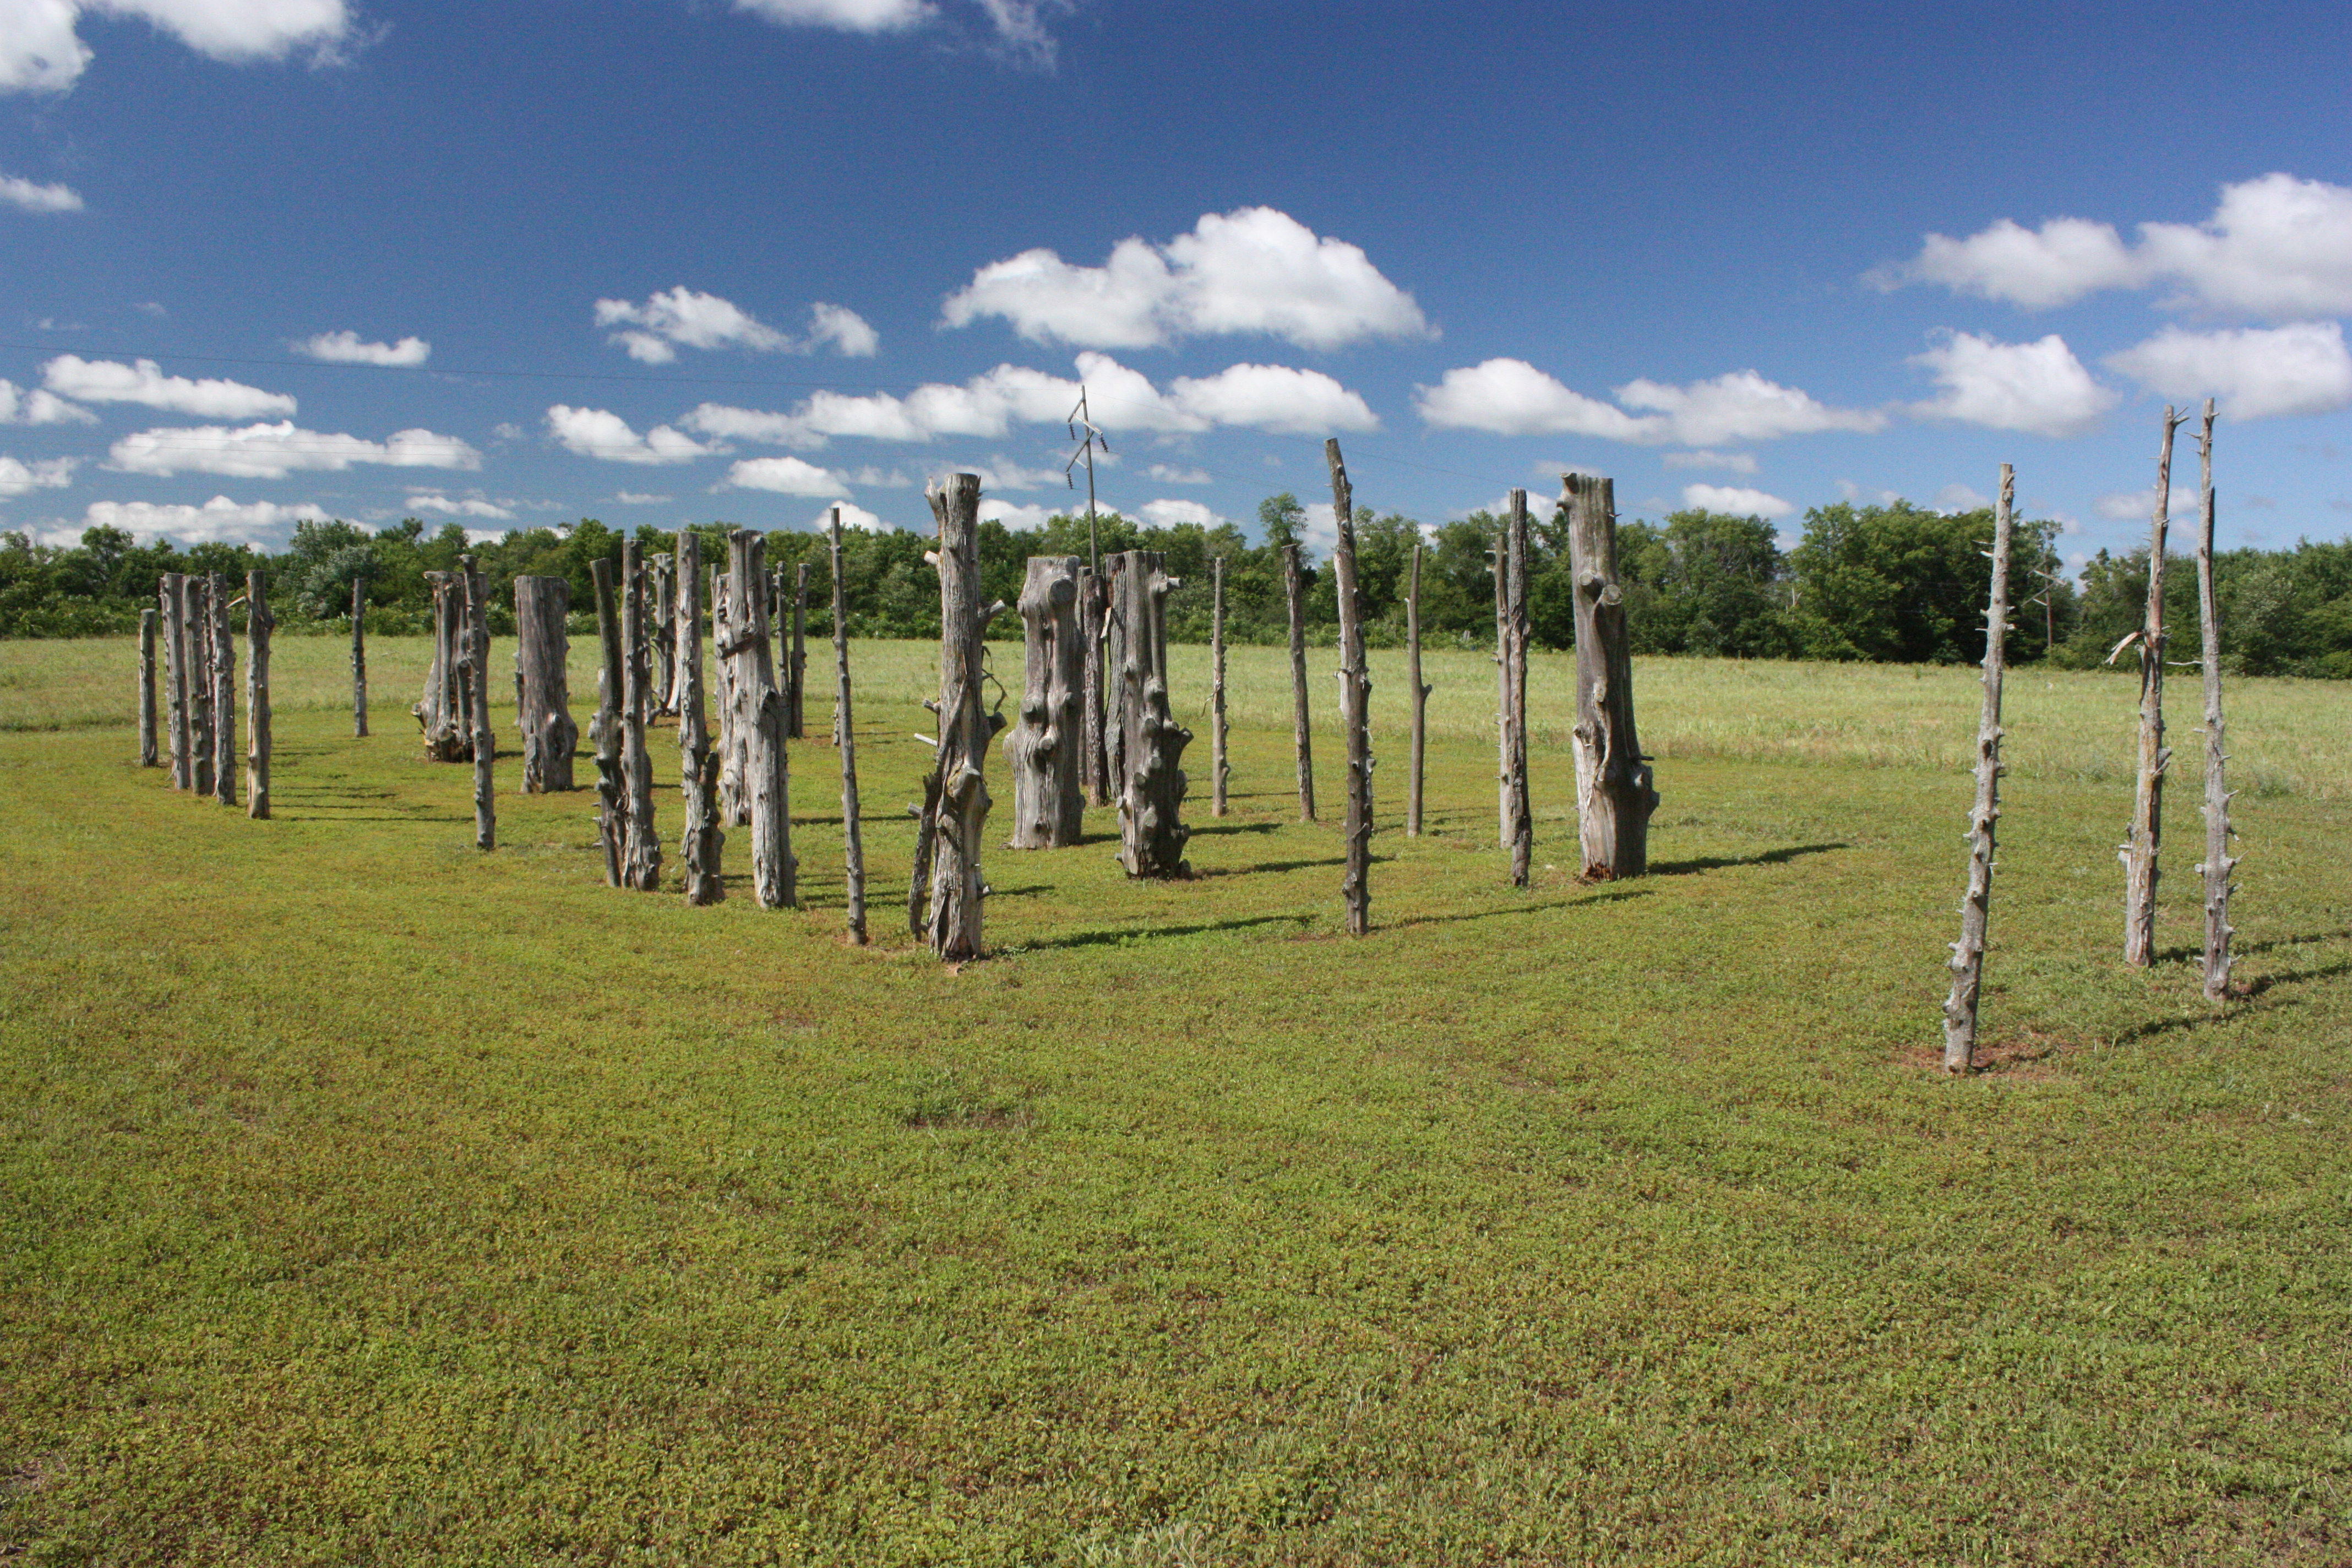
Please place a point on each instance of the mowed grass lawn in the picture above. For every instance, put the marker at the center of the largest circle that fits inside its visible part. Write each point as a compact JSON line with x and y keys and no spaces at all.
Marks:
{"x":364,"y":1199}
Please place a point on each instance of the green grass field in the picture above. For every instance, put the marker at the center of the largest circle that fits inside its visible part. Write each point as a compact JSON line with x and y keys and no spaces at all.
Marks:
{"x":364,"y":1199}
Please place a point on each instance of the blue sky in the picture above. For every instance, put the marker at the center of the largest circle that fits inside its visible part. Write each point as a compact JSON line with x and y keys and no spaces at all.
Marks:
{"x":668,"y":260}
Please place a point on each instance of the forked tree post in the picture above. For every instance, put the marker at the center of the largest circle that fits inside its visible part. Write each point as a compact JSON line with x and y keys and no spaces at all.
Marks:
{"x":702,"y":840}
{"x":760,"y":721}
{"x":259,"y":623}
{"x":1976,"y":904}
{"x":174,"y":593}
{"x":147,"y":687}
{"x":197,"y":633}
{"x":1519,"y":818}
{"x":358,"y":658}
{"x":1152,"y":798}
{"x":640,"y":840}
{"x":542,"y":687}
{"x":1614,"y":796}
{"x":953,"y":921}
{"x":2139,"y":855}
{"x":2219,"y":862}
{"x":844,"y":736}
{"x":223,"y":675}
{"x":1093,"y":700}
{"x":1219,"y":769}
{"x":612,"y":810}
{"x":1355,"y":701}
{"x":1293,"y":594}
{"x":479,"y":741}
{"x":1418,"y":696}
{"x":1043,"y":749}
{"x":796,"y":716}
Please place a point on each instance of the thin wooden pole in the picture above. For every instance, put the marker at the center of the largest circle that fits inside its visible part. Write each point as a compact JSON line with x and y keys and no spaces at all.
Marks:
{"x":197,"y":631}
{"x":703,"y":838}
{"x":358,"y":658}
{"x":2140,"y":855}
{"x":1976,"y":904}
{"x":147,"y":687}
{"x":1503,"y":683}
{"x":2219,"y":862}
{"x":1419,"y":695}
{"x":259,"y":623}
{"x":611,"y":814}
{"x":1521,"y":820}
{"x":1294,"y":596}
{"x":1355,"y":701}
{"x":641,"y":843}
{"x":223,"y":674}
{"x":1218,"y":769}
{"x":1092,"y":703}
{"x":798,"y":716}
{"x":480,"y":741}
{"x":174,"y":592}
{"x":845,"y":735}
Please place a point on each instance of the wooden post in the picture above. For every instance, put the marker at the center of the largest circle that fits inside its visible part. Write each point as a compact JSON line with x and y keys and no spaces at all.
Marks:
{"x":147,"y":687}
{"x":1294,"y":595}
{"x":702,"y":840}
{"x":1613,"y":793}
{"x":2139,"y":855}
{"x":845,"y":735}
{"x":1041,"y":748}
{"x":224,"y":673}
{"x":1518,"y":818}
{"x":1114,"y":633}
{"x":1420,"y":697}
{"x":479,"y":741}
{"x":358,"y":658}
{"x":197,"y":630}
{"x":727,"y":617}
{"x":665,"y":633}
{"x":760,"y":721}
{"x":797,"y":716}
{"x":543,"y":685}
{"x":259,"y":623}
{"x":2219,"y":862}
{"x":1355,"y":700}
{"x":640,"y":842}
{"x":1151,"y":797}
{"x":612,"y":811}
{"x":1218,"y":767}
{"x":953,"y":923}
{"x":442,"y":712}
{"x":1094,"y":701}
{"x":1502,"y":576}
{"x":174,"y":593}
{"x":1976,"y":904}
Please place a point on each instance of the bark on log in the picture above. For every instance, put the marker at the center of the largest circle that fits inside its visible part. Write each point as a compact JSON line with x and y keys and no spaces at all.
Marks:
{"x":796,"y":716}
{"x":734,"y":744}
{"x":359,"y":659}
{"x":197,"y":633}
{"x":1042,"y":749}
{"x":702,"y":840}
{"x":223,"y":674}
{"x":1093,"y":612}
{"x":844,"y":736}
{"x":611,"y":808}
{"x":665,"y":633}
{"x":1614,"y":796}
{"x":479,"y":741}
{"x":954,"y":919}
{"x":1218,"y":768}
{"x":2140,"y":854}
{"x":1518,"y":819}
{"x":2219,"y":862}
{"x":1355,"y":700}
{"x":174,"y":592}
{"x":259,"y":623}
{"x":441,"y":712}
{"x":1114,"y":662}
{"x":1502,"y":579}
{"x":641,"y":840}
{"x":1976,"y":904}
{"x":543,"y":685}
{"x":1294,"y":591}
{"x":1151,"y":799}
{"x":760,"y":721}
{"x":1419,"y":697}
{"x":147,"y":687}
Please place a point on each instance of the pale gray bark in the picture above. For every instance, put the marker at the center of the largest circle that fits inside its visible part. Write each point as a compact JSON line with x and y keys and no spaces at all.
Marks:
{"x":147,"y":688}
{"x":259,"y":623}
{"x":223,"y":675}
{"x":702,"y":841}
{"x":845,"y":735}
{"x":640,"y":841}
{"x":1218,"y":767}
{"x":441,"y":712}
{"x":2218,"y":863}
{"x":543,"y":686}
{"x":953,"y":923}
{"x":734,"y":742}
{"x":1114,"y":662}
{"x":1519,"y":817}
{"x":1094,"y":701}
{"x":1976,"y":904}
{"x":198,"y":634}
{"x":359,"y":659}
{"x":1151,"y":797}
{"x":480,"y":744}
{"x":1502,"y":576}
{"x":665,"y":633}
{"x":796,"y":716}
{"x":174,"y":592}
{"x":1614,"y":796}
{"x":759,"y":721}
{"x":612,"y":803}
{"x":1419,"y":696}
{"x":2141,"y":852}
{"x":1355,"y":700}
{"x":1293,"y":592}
{"x":1042,"y":748}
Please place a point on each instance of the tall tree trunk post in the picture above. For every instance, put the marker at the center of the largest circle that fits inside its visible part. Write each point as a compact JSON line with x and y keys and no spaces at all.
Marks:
{"x":1115,"y":636}
{"x":259,"y":623}
{"x":702,"y":840}
{"x":2139,"y":855}
{"x":542,"y":684}
{"x":1502,"y":576}
{"x":1217,"y":726}
{"x":198,"y":630}
{"x":665,"y":633}
{"x":359,"y":659}
{"x":479,"y":741}
{"x":2219,"y":862}
{"x":1151,"y":799}
{"x":224,"y":693}
{"x":612,"y":800}
{"x":760,"y":721}
{"x":1041,"y":750}
{"x":147,"y":687}
{"x":440,"y":711}
{"x":1355,"y":700}
{"x":1519,"y":818}
{"x":1094,"y":699}
{"x":797,"y":716}
{"x":1614,"y":796}
{"x":844,"y":736}
{"x":960,"y":815}
{"x":641,"y":841}
{"x":1420,"y":696}
{"x":174,"y":593}
{"x":728,"y":616}
{"x":1294,"y":591}
{"x":1976,"y":904}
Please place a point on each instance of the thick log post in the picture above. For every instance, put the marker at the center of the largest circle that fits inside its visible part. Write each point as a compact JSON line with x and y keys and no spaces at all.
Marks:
{"x":845,"y":735}
{"x":640,"y":841}
{"x":1294,"y":591}
{"x":1042,"y":749}
{"x":2140,"y":854}
{"x":479,"y":741}
{"x":760,"y":721}
{"x":1613,"y":793}
{"x":953,"y":923}
{"x":726,"y":621}
{"x":1976,"y":904}
{"x":1355,"y":700}
{"x":665,"y":633}
{"x":611,"y":809}
{"x":1094,"y":601}
{"x":1151,"y":799}
{"x":197,"y":631}
{"x":441,"y":712}
{"x":1419,"y":697}
{"x":147,"y":687}
{"x":796,"y":716}
{"x":223,"y":674}
{"x":543,"y":686}
{"x":1217,"y":726}
{"x":259,"y":623}
{"x":174,"y":592}
{"x":1115,"y":630}
{"x":1518,"y":819}
{"x":358,"y":658}
{"x":703,"y":839}
{"x":2219,"y":862}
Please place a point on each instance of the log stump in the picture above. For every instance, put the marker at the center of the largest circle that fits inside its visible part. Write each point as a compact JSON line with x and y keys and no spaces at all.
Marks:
{"x":441,"y":712}
{"x":1151,"y":744}
{"x":1614,"y":796}
{"x":1043,"y":749}
{"x":543,"y":686}
{"x":957,"y":794}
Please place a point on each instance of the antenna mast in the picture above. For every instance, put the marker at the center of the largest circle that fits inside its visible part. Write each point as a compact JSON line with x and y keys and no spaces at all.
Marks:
{"x":1086,"y":454}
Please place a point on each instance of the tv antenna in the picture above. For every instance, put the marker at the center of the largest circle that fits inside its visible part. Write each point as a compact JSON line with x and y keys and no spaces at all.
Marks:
{"x":1086,"y":454}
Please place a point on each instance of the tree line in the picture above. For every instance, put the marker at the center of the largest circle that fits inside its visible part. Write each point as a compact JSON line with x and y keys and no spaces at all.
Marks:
{"x":1891,"y":583}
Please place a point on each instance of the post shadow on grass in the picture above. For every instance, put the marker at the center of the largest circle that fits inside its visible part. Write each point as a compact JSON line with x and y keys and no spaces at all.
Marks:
{"x":1122,"y":936}
{"x":1216,"y":829}
{"x":1725,"y":862}
{"x":1615,"y":893}
{"x":2244,"y":949}
{"x":1269,"y":868}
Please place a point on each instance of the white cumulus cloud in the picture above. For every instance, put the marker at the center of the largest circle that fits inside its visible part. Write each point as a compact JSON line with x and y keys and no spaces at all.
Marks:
{"x":471,"y":506}
{"x":856,"y":516}
{"x":274,"y":451}
{"x":1012,"y":514}
{"x":1254,"y":270}
{"x":39,"y":48}
{"x":2139,"y":506}
{"x":218,"y":521}
{"x":1957,"y":496}
{"x":595,"y":433}
{"x":1730,"y":462}
{"x":1178,"y":474}
{"x":2252,"y":373}
{"x":1512,"y":397}
{"x":18,"y":407}
{"x":1171,"y":513}
{"x":18,"y":478}
{"x":35,"y":198}
{"x":1273,"y":398}
{"x":842,"y":15}
{"x":143,"y":382}
{"x":1737,"y":499}
{"x":687,"y":317}
{"x":786,"y":476}
{"x":2038,"y":387}
{"x":347,"y":348}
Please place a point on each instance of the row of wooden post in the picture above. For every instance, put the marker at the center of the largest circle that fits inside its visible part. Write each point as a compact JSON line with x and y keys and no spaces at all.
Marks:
{"x":198,"y":687}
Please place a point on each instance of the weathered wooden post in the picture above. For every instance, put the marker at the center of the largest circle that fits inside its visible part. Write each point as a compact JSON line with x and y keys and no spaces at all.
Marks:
{"x":1293,"y":590}
{"x":2219,"y":862}
{"x":223,"y":674}
{"x":197,"y":630}
{"x":359,"y":659}
{"x":147,"y":687}
{"x":612,"y":811}
{"x":953,"y":923}
{"x":845,"y":735}
{"x":174,"y":592}
{"x":1151,"y":799}
{"x":1042,"y":749}
{"x":703,"y":839}
{"x":1614,"y":796}
{"x":1115,"y":630}
{"x":1217,"y":726}
{"x":259,"y":623}
{"x":543,"y":686}
{"x":442,"y":712}
{"x":479,"y":741}
{"x":1976,"y":904}
{"x":760,"y":721}
{"x":1355,"y":700}
{"x":727,"y":617}
{"x":1094,"y":600}
{"x":665,"y":633}
{"x":1502,"y":576}
{"x":1518,"y":819}
{"x":1419,"y":696}
{"x":640,"y":841}
{"x":796,"y":716}
{"x":2139,"y":855}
